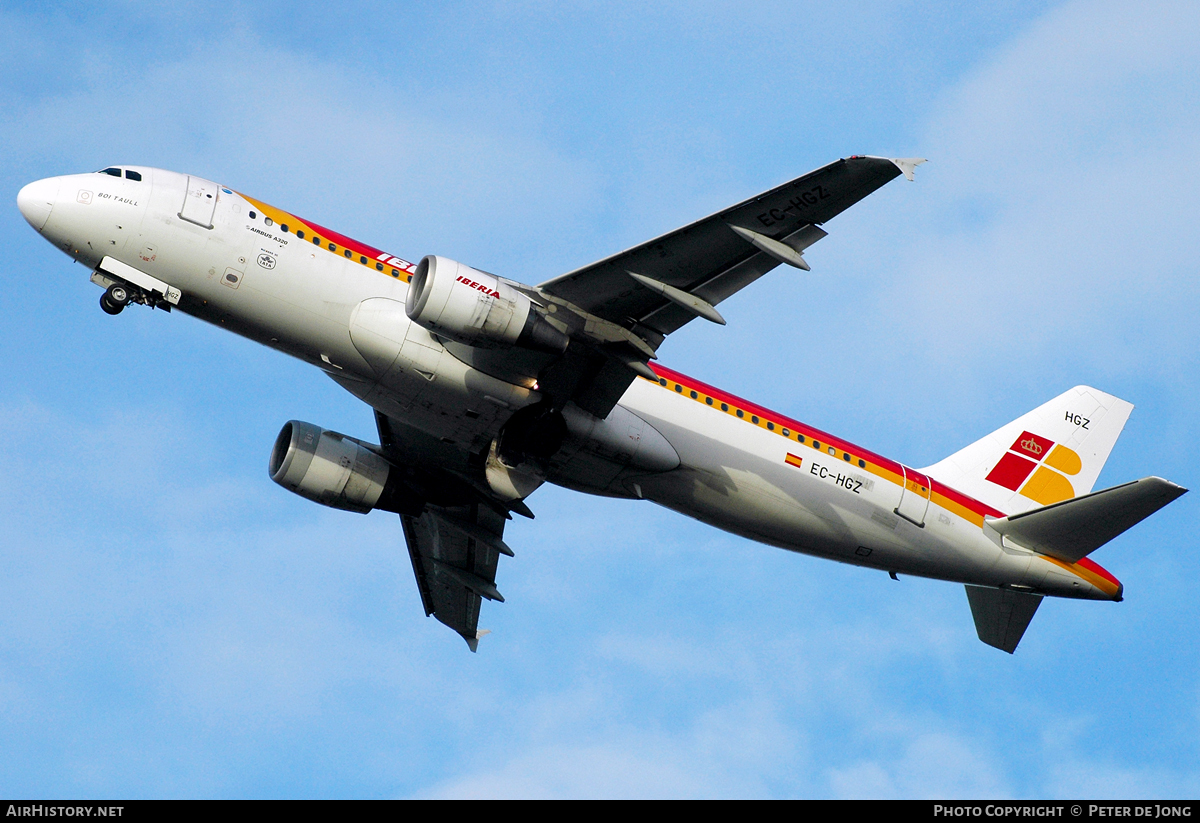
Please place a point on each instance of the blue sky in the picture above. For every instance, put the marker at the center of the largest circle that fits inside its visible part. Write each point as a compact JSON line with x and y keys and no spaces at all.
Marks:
{"x":174,"y":624}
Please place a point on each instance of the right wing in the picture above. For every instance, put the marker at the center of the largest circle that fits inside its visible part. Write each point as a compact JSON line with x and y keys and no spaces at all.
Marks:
{"x":454,"y":529}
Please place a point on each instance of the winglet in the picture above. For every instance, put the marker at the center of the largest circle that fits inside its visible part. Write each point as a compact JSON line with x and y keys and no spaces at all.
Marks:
{"x":473,"y":642}
{"x":907,"y":164}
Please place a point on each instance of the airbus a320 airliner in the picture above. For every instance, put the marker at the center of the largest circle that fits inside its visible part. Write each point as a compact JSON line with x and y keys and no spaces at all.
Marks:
{"x":484,"y":388}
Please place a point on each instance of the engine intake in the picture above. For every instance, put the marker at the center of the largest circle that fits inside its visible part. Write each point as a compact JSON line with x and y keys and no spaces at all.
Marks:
{"x":334,"y":470}
{"x":477,"y":308}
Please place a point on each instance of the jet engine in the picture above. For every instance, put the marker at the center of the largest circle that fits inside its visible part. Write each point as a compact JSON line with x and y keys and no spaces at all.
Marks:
{"x":477,"y":308}
{"x":335,"y":470}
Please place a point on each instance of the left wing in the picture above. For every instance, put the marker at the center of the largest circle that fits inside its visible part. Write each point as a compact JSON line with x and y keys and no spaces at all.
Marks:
{"x":454,"y":552}
{"x":621,"y":308}
{"x":713,"y":258}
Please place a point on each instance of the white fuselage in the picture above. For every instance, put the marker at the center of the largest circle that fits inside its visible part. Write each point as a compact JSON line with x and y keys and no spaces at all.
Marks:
{"x":756,"y":474}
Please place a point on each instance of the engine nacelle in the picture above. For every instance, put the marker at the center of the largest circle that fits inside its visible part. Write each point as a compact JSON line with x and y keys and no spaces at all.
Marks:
{"x":477,"y":308}
{"x":331,"y":469}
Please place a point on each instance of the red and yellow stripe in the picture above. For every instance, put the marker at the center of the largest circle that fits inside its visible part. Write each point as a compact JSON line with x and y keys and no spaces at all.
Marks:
{"x":333,"y":242}
{"x":949,"y":499}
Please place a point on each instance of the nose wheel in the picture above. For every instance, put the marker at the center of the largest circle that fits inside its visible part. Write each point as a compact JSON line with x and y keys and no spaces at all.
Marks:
{"x":115,"y":298}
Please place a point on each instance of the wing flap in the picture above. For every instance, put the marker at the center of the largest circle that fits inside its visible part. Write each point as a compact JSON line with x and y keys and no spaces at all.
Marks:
{"x":1073,"y":529}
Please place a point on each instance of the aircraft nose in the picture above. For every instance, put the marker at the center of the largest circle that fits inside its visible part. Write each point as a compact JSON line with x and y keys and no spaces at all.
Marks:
{"x":36,"y":200}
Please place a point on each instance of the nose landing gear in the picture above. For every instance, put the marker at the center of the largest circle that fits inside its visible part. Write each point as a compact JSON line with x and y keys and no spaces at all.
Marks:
{"x":115,"y":298}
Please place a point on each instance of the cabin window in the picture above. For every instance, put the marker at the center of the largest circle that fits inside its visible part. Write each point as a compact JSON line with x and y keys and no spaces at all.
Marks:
{"x":708,"y":400}
{"x":694,"y":395}
{"x":253,"y":216}
{"x":333,"y":246}
{"x":283,"y":227}
{"x":662,"y":381}
{"x":130,"y":174}
{"x":846,"y":457}
{"x":741,"y":413}
{"x":679,"y":388}
{"x":816,"y":444}
{"x":754,"y":419}
{"x":268,"y":221}
{"x":363,"y":260}
{"x":112,"y":172}
{"x":379,"y":267}
{"x":724,"y":407}
{"x":395,"y":273}
{"x":349,"y":254}
{"x":316,"y":240}
{"x":299,"y":234}
{"x":800,"y":438}
{"x":833,"y":451}
{"x":862,"y":464}
{"x":786,"y":433}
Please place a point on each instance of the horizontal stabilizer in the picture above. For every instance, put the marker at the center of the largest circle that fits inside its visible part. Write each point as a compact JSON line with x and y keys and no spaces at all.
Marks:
{"x":1073,"y":529}
{"x":1001,"y":615}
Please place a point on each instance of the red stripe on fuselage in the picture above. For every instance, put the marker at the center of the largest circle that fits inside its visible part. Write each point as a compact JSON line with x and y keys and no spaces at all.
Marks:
{"x":1096,"y":568}
{"x":343,"y":241}
{"x":936,"y":487}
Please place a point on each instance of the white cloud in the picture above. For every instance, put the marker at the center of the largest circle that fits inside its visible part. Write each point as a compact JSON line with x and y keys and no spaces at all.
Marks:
{"x":729,"y":751}
{"x":931,"y":765}
{"x":1064,"y":174}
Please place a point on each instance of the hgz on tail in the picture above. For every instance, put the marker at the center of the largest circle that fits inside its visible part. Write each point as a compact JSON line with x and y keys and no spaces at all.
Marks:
{"x":1040,"y":469}
{"x":1053,"y":453}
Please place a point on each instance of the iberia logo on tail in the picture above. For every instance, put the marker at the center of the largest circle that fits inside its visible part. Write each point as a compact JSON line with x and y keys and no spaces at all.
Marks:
{"x":1035,"y":467}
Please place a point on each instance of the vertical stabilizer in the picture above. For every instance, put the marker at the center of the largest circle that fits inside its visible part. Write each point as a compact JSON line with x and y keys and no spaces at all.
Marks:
{"x":1053,"y":453}
{"x":1001,"y":615}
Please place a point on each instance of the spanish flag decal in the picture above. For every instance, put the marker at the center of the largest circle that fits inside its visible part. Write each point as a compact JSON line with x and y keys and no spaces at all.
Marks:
{"x":793,"y":460}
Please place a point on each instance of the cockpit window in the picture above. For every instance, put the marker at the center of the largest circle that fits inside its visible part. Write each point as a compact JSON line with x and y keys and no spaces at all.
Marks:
{"x":130,"y":174}
{"x":111,"y":172}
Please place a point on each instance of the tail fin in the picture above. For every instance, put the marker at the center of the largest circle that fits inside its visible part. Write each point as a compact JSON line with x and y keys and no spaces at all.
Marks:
{"x":1053,"y":453}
